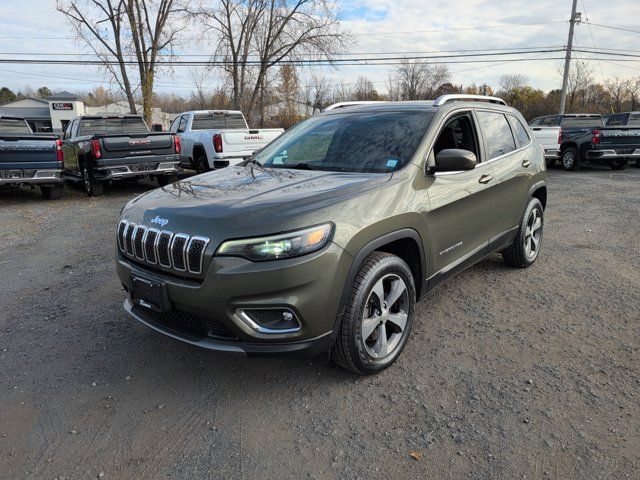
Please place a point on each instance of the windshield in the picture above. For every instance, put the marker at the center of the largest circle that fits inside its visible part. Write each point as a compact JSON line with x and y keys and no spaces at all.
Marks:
{"x":109,"y":126}
{"x":14,"y":125}
{"x":349,"y":142}
{"x":582,"y":122}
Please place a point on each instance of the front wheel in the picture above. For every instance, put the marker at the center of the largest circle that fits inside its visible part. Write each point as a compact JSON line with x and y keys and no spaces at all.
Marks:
{"x":526,"y":246}
{"x":378,"y":315}
{"x":92,"y":187}
{"x":570,"y":159}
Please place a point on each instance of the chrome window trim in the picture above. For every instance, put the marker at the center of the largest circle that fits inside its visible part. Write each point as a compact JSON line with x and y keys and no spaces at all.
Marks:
{"x":206,"y":243}
{"x":241,"y":313}
{"x":184,"y":250}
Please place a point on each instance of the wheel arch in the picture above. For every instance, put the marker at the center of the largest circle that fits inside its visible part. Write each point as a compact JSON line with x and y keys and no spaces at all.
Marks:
{"x":539,"y":191}
{"x":406,"y":244}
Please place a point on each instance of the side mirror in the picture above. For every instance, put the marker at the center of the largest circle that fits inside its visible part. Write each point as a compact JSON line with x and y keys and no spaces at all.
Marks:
{"x":453,"y":159}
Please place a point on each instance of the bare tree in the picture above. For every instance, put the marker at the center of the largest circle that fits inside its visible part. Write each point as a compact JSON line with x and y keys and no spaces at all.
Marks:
{"x":633,"y":90}
{"x":253,"y":36}
{"x":364,"y":90}
{"x":416,"y":80}
{"x":580,"y":77}
{"x":119,"y":30}
{"x":317,"y":92}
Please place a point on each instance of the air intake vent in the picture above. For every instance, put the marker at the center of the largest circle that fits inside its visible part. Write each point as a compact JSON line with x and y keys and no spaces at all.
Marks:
{"x":178,"y":251}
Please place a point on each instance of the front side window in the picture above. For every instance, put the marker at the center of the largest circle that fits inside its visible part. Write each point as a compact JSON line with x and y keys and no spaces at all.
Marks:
{"x":457,"y":133}
{"x":373,"y":142}
{"x":174,"y":125}
{"x":519,"y":130}
{"x":497,"y":134}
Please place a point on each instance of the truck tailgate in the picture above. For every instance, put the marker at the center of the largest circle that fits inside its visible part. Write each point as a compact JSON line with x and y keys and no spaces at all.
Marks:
{"x":243,"y":143}
{"x":133,"y":145}
{"x":619,"y":138}
{"x":19,"y":151}
{"x":547,"y":136}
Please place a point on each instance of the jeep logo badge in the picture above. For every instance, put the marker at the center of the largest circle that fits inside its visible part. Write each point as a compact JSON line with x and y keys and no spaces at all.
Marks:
{"x":160,"y":221}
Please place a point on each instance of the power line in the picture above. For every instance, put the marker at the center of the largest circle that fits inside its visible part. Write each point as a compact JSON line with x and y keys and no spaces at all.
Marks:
{"x":612,"y":27}
{"x":593,"y":40}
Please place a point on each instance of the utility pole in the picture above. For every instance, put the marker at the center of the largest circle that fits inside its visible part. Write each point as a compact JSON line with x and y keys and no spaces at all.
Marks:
{"x":575,"y":18}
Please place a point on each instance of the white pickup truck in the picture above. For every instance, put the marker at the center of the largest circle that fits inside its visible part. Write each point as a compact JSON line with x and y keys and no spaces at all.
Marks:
{"x":213,"y":139}
{"x":551,"y":139}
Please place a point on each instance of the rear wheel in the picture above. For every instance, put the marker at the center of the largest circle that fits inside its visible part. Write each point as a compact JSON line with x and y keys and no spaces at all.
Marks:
{"x":378,"y":315}
{"x":526,"y":246}
{"x":52,"y":192}
{"x":619,"y":164}
{"x":164,"y":180}
{"x":202,"y":164}
{"x":92,"y":187}
{"x":570,"y":159}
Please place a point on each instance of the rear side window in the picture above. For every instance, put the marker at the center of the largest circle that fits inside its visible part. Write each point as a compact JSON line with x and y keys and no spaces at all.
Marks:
{"x":582,"y":122}
{"x":519,"y":130}
{"x":634,"y":120}
{"x":14,"y":125}
{"x":549,"y":122}
{"x":497,"y":134}
{"x":218,"y":121}
{"x":110,"y":126}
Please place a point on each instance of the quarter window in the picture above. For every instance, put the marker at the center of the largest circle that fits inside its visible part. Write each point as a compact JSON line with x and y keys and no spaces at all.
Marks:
{"x":519,"y":131}
{"x":497,"y":134}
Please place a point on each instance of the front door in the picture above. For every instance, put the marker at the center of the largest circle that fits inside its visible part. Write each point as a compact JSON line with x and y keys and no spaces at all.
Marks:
{"x":459,"y":202}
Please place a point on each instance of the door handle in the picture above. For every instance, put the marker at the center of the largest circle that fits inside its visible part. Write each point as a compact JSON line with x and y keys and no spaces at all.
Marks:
{"x":485,"y":178}
{"x":526,"y":163}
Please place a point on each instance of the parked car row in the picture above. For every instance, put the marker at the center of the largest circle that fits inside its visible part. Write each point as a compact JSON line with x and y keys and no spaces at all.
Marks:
{"x":576,"y":139}
{"x":96,"y":150}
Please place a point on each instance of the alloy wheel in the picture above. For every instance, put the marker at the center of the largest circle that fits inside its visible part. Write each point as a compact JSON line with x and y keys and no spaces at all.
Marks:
{"x":385,"y":316}
{"x":568,"y":160}
{"x":533,"y":234}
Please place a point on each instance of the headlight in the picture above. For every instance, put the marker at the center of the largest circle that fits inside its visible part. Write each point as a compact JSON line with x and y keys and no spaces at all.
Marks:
{"x":286,"y":245}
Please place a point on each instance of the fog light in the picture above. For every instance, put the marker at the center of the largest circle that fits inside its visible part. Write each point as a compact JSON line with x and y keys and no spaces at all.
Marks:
{"x":270,"y":320}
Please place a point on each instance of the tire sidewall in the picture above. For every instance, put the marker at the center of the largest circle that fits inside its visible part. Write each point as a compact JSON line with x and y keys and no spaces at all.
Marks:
{"x":574,"y":163}
{"x":87,"y":181}
{"x":534,"y":203}
{"x":390,"y":265}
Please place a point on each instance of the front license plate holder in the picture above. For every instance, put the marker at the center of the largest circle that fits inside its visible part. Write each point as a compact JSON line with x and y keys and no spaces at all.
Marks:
{"x":148,"y":294}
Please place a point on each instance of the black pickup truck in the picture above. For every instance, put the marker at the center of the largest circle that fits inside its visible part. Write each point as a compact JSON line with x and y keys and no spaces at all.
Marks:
{"x":99,"y":149}
{"x":625,"y":119}
{"x":29,"y":159}
{"x":585,"y":139}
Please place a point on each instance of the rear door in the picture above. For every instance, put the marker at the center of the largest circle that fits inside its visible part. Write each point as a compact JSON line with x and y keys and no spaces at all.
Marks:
{"x":508,"y":148}
{"x":459,"y":201}
{"x":69,"y":147}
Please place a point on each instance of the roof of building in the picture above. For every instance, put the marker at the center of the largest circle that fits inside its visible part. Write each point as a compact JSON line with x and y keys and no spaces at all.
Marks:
{"x":17,"y":100}
{"x":64,"y":95}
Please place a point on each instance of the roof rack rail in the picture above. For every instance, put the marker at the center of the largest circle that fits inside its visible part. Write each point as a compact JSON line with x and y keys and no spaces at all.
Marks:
{"x":351,"y":104}
{"x":459,"y":97}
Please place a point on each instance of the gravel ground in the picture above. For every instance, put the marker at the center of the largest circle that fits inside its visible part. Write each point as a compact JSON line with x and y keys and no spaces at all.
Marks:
{"x":508,"y":373}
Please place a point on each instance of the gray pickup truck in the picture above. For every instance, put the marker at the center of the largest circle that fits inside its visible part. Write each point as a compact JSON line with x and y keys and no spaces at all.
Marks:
{"x":99,"y":149}
{"x":29,"y":159}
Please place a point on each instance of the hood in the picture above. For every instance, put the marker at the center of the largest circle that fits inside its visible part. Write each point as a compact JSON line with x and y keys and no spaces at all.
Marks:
{"x":248,"y":200}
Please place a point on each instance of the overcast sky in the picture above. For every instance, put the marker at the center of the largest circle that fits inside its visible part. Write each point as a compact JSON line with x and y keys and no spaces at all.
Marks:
{"x":378,"y":26}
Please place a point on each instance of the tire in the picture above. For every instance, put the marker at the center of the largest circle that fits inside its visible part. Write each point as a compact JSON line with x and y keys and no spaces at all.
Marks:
{"x":53,"y":192}
{"x":92,"y":187}
{"x":551,"y":162}
{"x":359,"y":346}
{"x":164,"y":180}
{"x":526,"y":246}
{"x":202,"y":164}
{"x":619,"y":164}
{"x":570,"y":159}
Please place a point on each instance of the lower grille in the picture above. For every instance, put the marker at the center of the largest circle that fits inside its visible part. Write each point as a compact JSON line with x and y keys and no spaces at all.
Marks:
{"x":186,"y":323}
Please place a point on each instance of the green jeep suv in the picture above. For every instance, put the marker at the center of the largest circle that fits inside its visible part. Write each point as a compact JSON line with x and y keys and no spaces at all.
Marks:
{"x":327,"y":238}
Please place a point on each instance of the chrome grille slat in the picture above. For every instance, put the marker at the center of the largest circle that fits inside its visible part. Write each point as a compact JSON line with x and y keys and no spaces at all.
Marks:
{"x":168,"y":250}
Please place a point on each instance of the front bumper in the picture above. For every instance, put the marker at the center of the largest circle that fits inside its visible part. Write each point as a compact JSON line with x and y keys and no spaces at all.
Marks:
{"x":204,"y":312}
{"x":612,"y":154}
{"x":30,"y":177}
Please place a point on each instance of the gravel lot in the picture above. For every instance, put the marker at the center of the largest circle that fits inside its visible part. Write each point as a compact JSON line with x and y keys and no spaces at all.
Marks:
{"x":508,"y":373}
